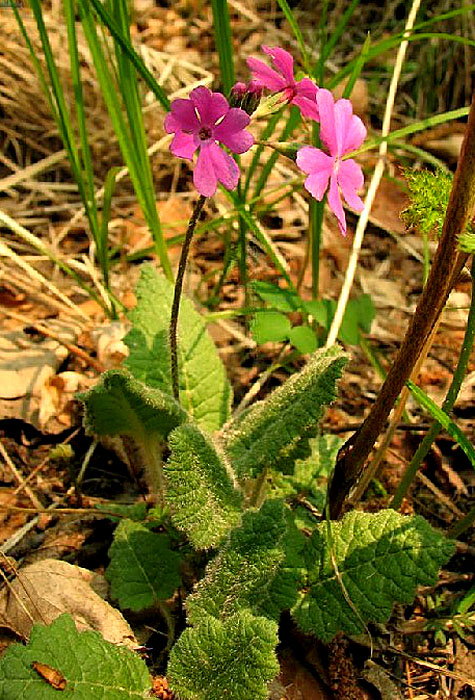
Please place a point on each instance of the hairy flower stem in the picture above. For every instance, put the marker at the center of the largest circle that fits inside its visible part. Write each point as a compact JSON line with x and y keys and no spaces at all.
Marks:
{"x":177,"y":294}
{"x":446,"y":267}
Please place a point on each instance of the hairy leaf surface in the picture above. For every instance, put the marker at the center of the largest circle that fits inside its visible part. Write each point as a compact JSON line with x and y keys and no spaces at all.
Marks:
{"x":380,"y":558}
{"x":89,"y":666}
{"x":143,"y":568}
{"x":205,"y":503}
{"x":204,"y":389}
{"x":119,"y":404}
{"x":249,"y":571}
{"x":232,"y":659}
{"x":275,"y":432}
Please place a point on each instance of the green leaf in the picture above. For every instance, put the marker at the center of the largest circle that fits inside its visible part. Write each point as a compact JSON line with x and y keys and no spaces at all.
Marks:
{"x":310,"y":476}
{"x":304,"y":339}
{"x":270,"y":326}
{"x":121,"y":405}
{"x":275,"y":432}
{"x":247,"y":572}
{"x":91,"y":667}
{"x":200,"y":490}
{"x":380,"y":558}
{"x":232,"y":659}
{"x":445,"y":421}
{"x":144,"y":570}
{"x":204,"y":389}
{"x":281,"y":299}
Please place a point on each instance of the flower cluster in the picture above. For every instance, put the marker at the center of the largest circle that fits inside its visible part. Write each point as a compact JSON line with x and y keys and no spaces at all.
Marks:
{"x":206,"y":120}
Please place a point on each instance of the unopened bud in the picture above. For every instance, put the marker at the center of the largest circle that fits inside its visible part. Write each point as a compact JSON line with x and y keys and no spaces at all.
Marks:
{"x":247,"y":97}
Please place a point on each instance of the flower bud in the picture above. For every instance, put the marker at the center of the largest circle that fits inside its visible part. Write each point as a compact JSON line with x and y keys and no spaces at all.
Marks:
{"x":246,"y":97}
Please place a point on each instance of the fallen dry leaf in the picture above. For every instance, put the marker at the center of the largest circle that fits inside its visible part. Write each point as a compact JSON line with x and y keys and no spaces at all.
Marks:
{"x":46,"y":589}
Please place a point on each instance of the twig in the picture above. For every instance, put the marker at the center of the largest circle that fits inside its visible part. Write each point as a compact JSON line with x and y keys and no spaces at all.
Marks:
{"x":444,"y":272}
{"x":36,"y":502}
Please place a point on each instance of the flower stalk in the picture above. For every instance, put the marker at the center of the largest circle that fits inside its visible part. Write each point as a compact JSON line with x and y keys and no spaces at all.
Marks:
{"x":448,"y":263}
{"x":177,"y":295}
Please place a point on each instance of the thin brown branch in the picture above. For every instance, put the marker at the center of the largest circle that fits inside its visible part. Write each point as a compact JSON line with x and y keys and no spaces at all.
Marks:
{"x":446,"y":267}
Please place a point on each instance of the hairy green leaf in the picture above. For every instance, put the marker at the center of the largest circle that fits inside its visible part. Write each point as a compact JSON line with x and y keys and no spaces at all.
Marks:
{"x":275,"y":432}
{"x":119,"y":404}
{"x":233,"y":659}
{"x":380,"y":559}
{"x":248,"y":571}
{"x":143,"y":569}
{"x":90,"y":666}
{"x":310,"y":477}
{"x":200,"y":490}
{"x":204,"y":389}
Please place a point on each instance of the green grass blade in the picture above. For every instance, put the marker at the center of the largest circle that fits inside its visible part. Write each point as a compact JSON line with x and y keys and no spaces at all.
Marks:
{"x":339,"y":29}
{"x":445,"y":421}
{"x":256,"y":228}
{"x":223,"y":41}
{"x":289,"y":16}
{"x":391,"y":43}
{"x":292,"y":122}
{"x":129,"y":50}
{"x":361,"y":60}
{"x":88,"y":172}
{"x":134,"y":161}
{"x":414,"y":128}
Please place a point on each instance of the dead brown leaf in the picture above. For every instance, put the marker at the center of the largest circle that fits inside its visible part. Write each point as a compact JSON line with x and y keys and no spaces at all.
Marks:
{"x":46,"y":589}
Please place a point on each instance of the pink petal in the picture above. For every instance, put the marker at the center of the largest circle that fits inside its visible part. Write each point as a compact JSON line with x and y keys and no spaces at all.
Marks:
{"x":326,"y":109}
{"x":182,"y":116}
{"x":211,"y":106}
{"x":306,"y":88}
{"x":334,"y":202}
{"x":355,"y":135}
{"x":214,"y":165}
{"x":231,"y":131}
{"x":317,"y":183}
{"x":265,"y":75}
{"x":350,"y":178}
{"x":283,"y":61}
{"x":312,"y":160}
{"x":308,"y":107}
{"x":183,"y":145}
{"x":343,"y":114}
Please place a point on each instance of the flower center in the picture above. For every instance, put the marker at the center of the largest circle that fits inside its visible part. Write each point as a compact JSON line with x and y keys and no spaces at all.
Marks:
{"x":205,"y":133}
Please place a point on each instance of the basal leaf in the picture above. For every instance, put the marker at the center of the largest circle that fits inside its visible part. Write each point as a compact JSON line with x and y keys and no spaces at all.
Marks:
{"x":87,"y":667}
{"x":244,"y":572}
{"x":275,"y":432}
{"x":143,"y":569}
{"x":119,"y":404}
{"x":204,"y":389}
{"x":200,"y":490}
{"x":310,"y":476}
{"x":233,"y":659}
{"x":381,"y":558}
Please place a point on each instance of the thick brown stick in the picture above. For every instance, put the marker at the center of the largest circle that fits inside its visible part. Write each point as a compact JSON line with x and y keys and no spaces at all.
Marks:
{"x":446,"y":267}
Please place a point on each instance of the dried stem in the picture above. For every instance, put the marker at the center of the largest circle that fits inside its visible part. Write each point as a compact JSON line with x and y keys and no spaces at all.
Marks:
{"x":177,"y":294}
{"x":445,"y":269}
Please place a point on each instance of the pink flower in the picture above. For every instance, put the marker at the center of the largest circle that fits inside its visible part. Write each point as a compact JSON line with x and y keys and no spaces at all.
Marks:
{"x":301,"y":93}
{"x":200,"y":122}
{"x":341,"y":132}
